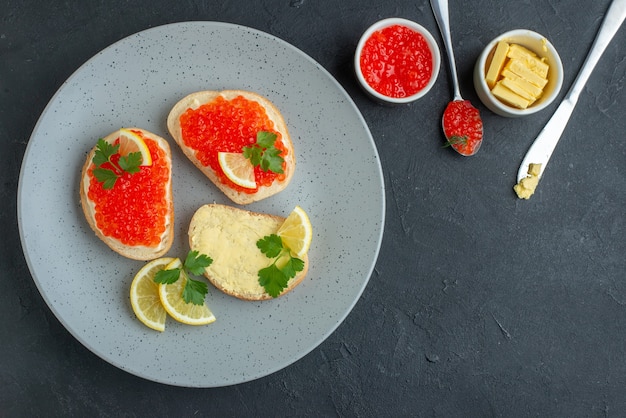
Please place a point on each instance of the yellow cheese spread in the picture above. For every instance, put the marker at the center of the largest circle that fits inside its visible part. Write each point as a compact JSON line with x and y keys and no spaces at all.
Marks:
{"x":229,"y":237}
{"x":526,"y":186}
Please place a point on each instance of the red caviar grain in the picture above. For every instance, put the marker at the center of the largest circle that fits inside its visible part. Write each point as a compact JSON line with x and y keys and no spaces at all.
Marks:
{"x":228,"y":126}
{"x":462,"y":120}
{"x":134,"y":210}
{"x":396,"y":61}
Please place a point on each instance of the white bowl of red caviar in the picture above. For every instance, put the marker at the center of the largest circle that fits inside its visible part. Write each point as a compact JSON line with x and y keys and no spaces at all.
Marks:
{"x":397,"y":61}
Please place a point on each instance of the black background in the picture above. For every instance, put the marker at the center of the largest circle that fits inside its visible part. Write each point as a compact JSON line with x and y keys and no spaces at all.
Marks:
{"x":480,"y":304}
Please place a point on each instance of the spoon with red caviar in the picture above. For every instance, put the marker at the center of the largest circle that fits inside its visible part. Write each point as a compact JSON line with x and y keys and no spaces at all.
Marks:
{"x":461,"y":121}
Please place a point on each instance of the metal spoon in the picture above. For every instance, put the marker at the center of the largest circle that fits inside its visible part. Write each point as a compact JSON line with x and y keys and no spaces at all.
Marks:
{"x":440,"y":9}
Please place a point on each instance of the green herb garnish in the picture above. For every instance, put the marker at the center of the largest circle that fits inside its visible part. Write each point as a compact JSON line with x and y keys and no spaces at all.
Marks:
{"x":194,"y":290}
{"x":274,"y":278}
{"x":108,"y":176}
{"x":456,"y":140}
{"x":264,"y":154}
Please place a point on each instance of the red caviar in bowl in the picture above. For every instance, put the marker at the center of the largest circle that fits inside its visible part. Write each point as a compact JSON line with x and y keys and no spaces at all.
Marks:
{"x":396,"y":61}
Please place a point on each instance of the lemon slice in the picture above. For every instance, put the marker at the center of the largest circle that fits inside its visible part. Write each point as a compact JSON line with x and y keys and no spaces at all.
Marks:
{"x":237,"y":168}
{"x":144,"y":295}
{"x":131,"y":142}
{"x":297,"y":232}
{"x":171,"y":296}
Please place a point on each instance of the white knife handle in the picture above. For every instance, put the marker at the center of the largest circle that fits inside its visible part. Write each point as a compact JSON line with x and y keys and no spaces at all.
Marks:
{"x":613,"y":20}
{"x":545,"y":143}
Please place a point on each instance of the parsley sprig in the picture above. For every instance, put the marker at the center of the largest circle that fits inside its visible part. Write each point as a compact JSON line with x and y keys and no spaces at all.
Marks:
{"x":194,"y":290}
{"x":108,"y":176}
{"x":274,"y":278}
{"x":264,"y":154}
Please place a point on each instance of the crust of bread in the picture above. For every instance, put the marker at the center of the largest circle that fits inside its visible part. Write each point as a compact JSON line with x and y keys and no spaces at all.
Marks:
{"x":228,"y":235}
{"x":195,"y":100}
{"x":88,"y":206}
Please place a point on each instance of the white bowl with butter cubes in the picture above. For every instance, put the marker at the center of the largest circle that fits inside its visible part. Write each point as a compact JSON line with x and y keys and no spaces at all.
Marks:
{"x":518,"y":73}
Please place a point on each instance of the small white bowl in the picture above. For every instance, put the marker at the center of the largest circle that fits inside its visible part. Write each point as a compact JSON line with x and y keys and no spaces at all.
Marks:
{"x":436,"y":59}
{"x":539,"y":45}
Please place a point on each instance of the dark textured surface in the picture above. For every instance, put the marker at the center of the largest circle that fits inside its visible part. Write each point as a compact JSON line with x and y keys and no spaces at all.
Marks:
{"x":480,"y":304}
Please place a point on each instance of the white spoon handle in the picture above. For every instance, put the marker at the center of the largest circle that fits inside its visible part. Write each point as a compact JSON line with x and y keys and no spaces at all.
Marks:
{"x":440,"y":10}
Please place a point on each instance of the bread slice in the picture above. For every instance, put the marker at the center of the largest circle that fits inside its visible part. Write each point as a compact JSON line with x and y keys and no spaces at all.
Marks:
{"x":194,"y":101}
{"x":229,"y":235}
{"x":136,"y":252}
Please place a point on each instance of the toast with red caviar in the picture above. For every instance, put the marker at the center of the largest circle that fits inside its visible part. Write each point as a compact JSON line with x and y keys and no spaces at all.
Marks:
{"x":238,"y":139}
{"x":126,"y":193}
{"x":230,"y":236}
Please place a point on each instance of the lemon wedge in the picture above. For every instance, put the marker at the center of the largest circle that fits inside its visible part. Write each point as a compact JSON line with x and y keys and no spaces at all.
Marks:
{"x":237,"y":168}
{"x":296,"y":232}
{"x":171,"y":296}
{"x":144,"y":295}
{"x":131,"y":142}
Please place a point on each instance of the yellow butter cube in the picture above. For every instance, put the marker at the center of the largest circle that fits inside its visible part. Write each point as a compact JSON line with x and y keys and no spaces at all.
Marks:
{"x":518,"y":67}
{"x":533,"y":90}
{"x":497,"y":62}
{"x":529,"y":59}
{"x":509,"y":97}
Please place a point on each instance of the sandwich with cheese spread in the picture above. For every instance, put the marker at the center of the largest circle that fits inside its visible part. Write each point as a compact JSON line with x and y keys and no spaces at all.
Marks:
{"x":250,"y":260}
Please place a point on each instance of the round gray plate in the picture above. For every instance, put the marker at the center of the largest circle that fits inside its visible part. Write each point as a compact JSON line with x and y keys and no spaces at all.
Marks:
{"x":135,"y":82}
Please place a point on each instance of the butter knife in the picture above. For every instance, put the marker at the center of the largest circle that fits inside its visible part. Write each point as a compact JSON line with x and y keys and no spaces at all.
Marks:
{"x":543,"y":146}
